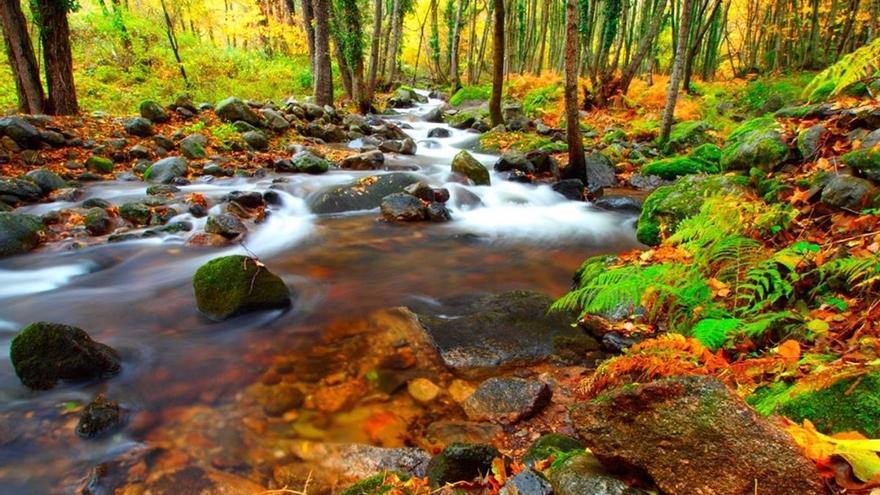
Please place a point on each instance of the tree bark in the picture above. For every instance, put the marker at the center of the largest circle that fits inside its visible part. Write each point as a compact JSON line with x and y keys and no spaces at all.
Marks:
{"x":396,"y":23}
{"x":21,"y":57}
{"x":545,"y":18}
{"x":308,"y":18}
{"x":498,"y":64}
{"x":453,"y":56}
{"x":374,"y":49}
{"x":677,"y":72}
{"x":323,"y":76}
{"x":55,"y":35}
{"x":577,"y":168}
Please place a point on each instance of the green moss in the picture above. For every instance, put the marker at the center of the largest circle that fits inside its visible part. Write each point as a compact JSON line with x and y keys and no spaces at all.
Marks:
{"x":668,"y":205}
{"x":844,"y":406}
{"x":863,"y":159}
{"x":756,"y":143}
{"x":551,"y":444}
{"x":685,"y":135}
{"x":708,"y":153}
{"x":464,"y":118}
{"x":44,"y":353}
{"x":788,"y":88}
{"x":538,"y":101}
{"x":99,"y":164}
{"x":374,"y":485}
{"x":798,"y":112}
{"x":232,"y":285}
{"x":823,"y":92}
{"x":465,"y":164}
{"x":471,"y":94}
{"x":615,"y":135}
{"x":497,"y":141}
{"x":671,"y":168}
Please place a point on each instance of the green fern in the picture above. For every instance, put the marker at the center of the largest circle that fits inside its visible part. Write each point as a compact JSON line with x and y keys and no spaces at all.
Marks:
{"x":714,"y":333}
{"x":859,"y":65}
{"x":855,"y":274}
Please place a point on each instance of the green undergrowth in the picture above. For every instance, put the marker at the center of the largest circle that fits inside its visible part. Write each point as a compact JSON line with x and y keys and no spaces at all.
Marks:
{"x":471,"y":94}
{"x":496,"y":141}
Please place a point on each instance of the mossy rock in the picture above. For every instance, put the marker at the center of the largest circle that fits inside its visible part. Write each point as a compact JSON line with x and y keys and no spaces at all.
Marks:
{"x":99,"y":164}
{"x":19,"y":233}
{"x":686,"y":135}
{"x":470,"y":94}
{"x":470,"y":167}
{"x":851,"y":404}
{"x":865,"y":160}
{"x":463,"y":119}
{"x":757,"y":143}
{"x":708,"y":153}
{"x":232,"y":285}
{"x":616,"y":135}
{"x":45,"y":353}
{"x":460,"y":462}
{"x":669,"y":205}
{"x":551,"y":444}
{"x":677,"y":166}
{"x":374,"y":485}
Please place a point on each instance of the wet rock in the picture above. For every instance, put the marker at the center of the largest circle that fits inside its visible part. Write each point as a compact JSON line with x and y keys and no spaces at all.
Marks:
{"x":435,"y":116}
{"x":193,"y":146}
{"x":846,"y":191}
{"x":22,"y":132}
{"x":468,"y":166}
{"x":307,"y":162}
{"x":203,"y":239}
{"x":136,"y":213}
{"x":96,"y":203}
{"x":600,"y":172}
{"x":46,"y":180}
{"x":371,"y":160}
{"x":757,"y":143}
{"x":99,"y":416}
{"x":192,"y":480}
{"x":162,"y":189}
{"x":584,"y":475}
{"x":572,"y":189}
{"x":229,"y":226}
{"x":275,"y":120}
{"x":423,"y":390}
{"x":139,"y":127}
{"x":461,"y":462}
{"x":809,"y":140}
{"x":363,"y":194}
{"x":232,"y":285}
{"x":551,"y":444}
{"x":449,"y":432}
{"x":282,"y":398}
{"x":439,"y":132}
{"x":513,"y":160}
{"x":248,"y":199}
{"x":20,"y":189}
{"x":402,"y":207}
{"x":69,"y":194}
{"x":45,"y":353}
{"x":214,"y":170}
{"x":527,"y":482}
{"x":233,"y":109}
{"x":19,"y":233}
{"x":692,"y":435}
{"x":97,"y":221}
{"x":619,"y":203}
{"x":437,"y":212}
{"x":506,"y":400}
{"x":166,"y":170}
{"x":357,"y":461}
{"x":257,"y":140}
{"x":515,"y":329}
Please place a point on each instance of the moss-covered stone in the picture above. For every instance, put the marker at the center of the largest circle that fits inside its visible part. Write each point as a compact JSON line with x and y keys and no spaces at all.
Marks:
{"x":865,"y":160}
{"x":460,"y":462}
{"x":616,"y":135}
{"x":99,"y":164}
{"x":757,"y":143}
{"x":232,"y":285}
{"x":463,"y":119}
{"x":136,"y":213}
{"x":19,"y":233}
{"x":668,"y":205}
{"x":468,"y":166}
{"x":708,"y":153}
{"x":45,"y":353}
{"x":551,"y":444}
{"x":677,"y":166}
{"x":374,"y":485}
{"x":686,"y":135}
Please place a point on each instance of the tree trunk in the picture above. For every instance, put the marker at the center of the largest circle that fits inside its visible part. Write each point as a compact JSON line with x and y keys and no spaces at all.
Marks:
{"x":55,"y":35}
{"x":308,"y":18}
{"x":172,"y":40}
{"x":396,"y":23}
{"x":374,"y":49}
{"x":545,"y":18}
{"x":21,"y":57}
{"x":483,"y":42}
{"x":498,"y":64}
{"x":577,"y":168}
{"x":323,"y":76}
{"x":677,"y":71}
{"x":419,"y":49}
{"x":344,"y":70}
{"x":453,"y":63}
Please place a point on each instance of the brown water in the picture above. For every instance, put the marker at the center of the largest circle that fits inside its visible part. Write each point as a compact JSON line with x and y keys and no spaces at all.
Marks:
{"x":137,"y":297}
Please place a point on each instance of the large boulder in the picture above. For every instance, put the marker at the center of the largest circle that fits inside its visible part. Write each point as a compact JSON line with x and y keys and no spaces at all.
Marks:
{"x":600,"y":172}
{"x":669,"y":205}
{"x":167,"y":169}
{"x":363,"y":194}
{"x":461,"y":462}
{"x":506,"y":400}
{"x":233,"y":109}
{"x":19,"y":233}
{"x":45,"y":353}
{"x":232,"y":285}
{"x":21,"y":131}
{"x":846,"y":191}
{"x":514,"y":329}
{"x":693,"y":435}
{"x":468,"y":166}
{"x":757,"y":143}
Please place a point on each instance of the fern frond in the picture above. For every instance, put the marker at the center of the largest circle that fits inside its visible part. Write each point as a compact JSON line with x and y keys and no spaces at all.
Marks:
{"x":850,"y":69}
{"x":858,"y":274}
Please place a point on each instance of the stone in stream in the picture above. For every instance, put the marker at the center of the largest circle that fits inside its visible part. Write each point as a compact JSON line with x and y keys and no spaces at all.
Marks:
{"x":45,"y":353}
{"x":600,"y":172}
{"x":437,"y":212}
{"x":467,"y":165}
{"x":692,"y":435}
{"x":571,"y":189}
{"x":514,"y":329}
{"x":98,"y":417}
{"x":229,"y":226}
{"x":403,"y":146}
{"x":584,"y":475}
{"x":439,"y":132}
{"x":232,"y":285}
{"x":307,"y":162}
{"x":370,"y":160}
{"x":19,"y":233}
{"x":435,"y":116}
{"x":46,"y":180}
{"x":527,"y":482}
{"x":233,"y":109}
{"x":514,"y":160}
{"x":403,"y":207}
{"x":506,"y":400}
{"x":167,"y":169}
{"x":363,"y":194}
{"x":461,"y":462}
{"x":351,"y":462}
{"x":97,"y":221}
{"x":136,"y":213}
{"x":20,"y":189}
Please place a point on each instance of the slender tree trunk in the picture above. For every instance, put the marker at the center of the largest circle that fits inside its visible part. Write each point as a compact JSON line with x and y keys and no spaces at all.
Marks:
{"x":498,"y":64}
{"x":677,"y":72}
{"x":453,"y":63}
{"x":374,"y":48}
{"x":21,"y":57}
{"x":344,"y":71}
{"x":55,"y":35}
{"x":483,"y":42}
{"x":577,"y":168}
{"x":172,"y":40}
{"x":545,"y":18}
{"x":323,"y":75}
{"x":472,"y":41}
{"x":421,"y":43}
{"x":308,"y":18}
{"x":396,"y":23}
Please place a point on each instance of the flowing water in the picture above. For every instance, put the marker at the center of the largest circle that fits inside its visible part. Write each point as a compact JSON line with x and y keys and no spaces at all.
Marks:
{"x":136,"y":296}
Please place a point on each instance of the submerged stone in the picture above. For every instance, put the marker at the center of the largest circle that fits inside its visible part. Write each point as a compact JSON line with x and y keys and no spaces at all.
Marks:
{"x":98,"y":417}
